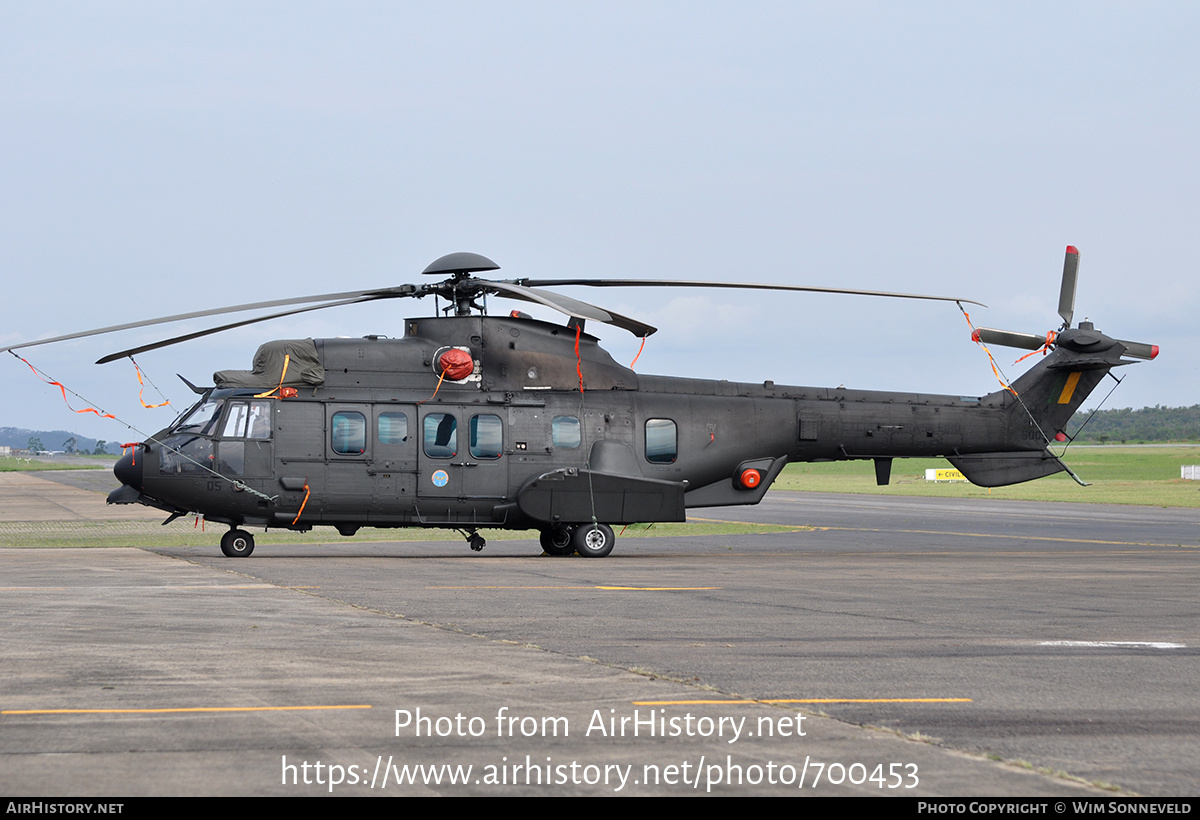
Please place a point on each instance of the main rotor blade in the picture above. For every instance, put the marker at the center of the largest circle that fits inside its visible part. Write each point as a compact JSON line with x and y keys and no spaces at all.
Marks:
{"x":683,"y":283}
{"x":1066,"y":296}
{"x":133,"y":351}
{"x":570,"y":307}
{"x":379,"y":293}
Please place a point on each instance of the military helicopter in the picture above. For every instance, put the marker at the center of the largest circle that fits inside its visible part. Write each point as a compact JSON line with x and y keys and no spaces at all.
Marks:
{"x":472,"y":421}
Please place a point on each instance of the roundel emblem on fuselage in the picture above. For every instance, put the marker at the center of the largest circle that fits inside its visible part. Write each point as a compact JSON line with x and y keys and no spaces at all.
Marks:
{"x":440,"y":478}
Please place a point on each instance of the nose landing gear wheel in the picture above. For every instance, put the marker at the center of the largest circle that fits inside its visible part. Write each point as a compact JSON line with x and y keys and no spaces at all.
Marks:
{"x":237,"y":543}
{"x":557,"y":541}
{"x":593,"y":540}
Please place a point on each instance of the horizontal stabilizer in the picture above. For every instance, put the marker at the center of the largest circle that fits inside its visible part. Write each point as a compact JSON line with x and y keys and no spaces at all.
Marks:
{"x":1002,"y":469}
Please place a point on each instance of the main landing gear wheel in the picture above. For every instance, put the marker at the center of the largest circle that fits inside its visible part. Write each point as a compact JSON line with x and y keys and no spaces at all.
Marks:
{"x":557,"y":541}
{"x":593,"y":540}
{"x":237,"y":543}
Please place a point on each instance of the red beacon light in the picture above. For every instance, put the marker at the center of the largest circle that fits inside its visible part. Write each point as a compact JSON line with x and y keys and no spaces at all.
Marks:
{"x":750,"y":478}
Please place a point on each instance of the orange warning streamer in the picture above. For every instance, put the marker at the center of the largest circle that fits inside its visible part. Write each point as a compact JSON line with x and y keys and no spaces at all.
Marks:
{"x":995,"y":370}
{"x":579,"y":361}
{"x":302,"y":503}
{"x":60,"y":386}
{"x":287,"y":357}
{"x":1044,"y":349}
{"x":142,"y":387}
{"x":439,"y":387}
{"x":639,"y":353}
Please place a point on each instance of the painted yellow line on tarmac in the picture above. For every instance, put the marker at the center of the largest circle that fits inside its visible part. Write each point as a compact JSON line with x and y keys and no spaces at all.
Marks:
{"x":797,"y":700}
{"x":226,"y":586}
{"x":239,"y":586}
{"x":611,"y":589}
{"x":177,"y":709}
{"x":867,"y":700}
{"x":655,"y":589}
{"x":512,"y":587}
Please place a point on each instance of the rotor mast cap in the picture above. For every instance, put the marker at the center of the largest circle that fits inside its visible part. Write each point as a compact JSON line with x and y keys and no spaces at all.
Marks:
{"x":460,"y":263}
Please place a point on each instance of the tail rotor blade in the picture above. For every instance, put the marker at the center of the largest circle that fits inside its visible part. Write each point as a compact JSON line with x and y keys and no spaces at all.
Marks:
{"x":1066,"y":296}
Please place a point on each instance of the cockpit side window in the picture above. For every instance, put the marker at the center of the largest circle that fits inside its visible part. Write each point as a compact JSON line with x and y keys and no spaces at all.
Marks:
{"x":248,"y":419}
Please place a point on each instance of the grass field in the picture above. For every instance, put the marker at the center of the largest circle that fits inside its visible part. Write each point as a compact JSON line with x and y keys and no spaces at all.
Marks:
{"x":10,"y":464}
{"x":1117,"y":475}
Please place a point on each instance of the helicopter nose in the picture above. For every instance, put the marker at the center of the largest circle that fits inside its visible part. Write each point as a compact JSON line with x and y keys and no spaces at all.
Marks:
{"x":128,"y":469}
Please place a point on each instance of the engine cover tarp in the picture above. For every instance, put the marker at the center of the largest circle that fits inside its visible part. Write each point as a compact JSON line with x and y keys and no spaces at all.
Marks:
{"x":303,"y":368}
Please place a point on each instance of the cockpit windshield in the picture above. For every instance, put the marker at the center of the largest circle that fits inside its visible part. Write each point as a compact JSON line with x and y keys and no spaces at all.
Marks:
{"x":200,"y":419}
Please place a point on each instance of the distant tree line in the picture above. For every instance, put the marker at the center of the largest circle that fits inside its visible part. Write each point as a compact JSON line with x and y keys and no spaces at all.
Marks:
{"x":70,"y":446}
{"x":1128,"y":425}
{"x":19,"y":437}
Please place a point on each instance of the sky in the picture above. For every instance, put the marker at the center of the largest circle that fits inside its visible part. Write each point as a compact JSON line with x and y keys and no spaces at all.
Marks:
{"x":157,"y":158}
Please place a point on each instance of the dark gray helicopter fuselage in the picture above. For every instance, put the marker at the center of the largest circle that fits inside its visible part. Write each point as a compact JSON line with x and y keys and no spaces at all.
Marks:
{"x":383,"y":442}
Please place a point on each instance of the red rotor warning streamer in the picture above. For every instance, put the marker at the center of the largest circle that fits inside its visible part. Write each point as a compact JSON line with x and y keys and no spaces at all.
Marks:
{"x":142,"y":388}
{"x":300,"y":512}
{"x":975,"y":338}
{"x":639,"y":353}
{"x":1044,"y":349}
{"x":578,"y":360}
{"x":62,"y":388}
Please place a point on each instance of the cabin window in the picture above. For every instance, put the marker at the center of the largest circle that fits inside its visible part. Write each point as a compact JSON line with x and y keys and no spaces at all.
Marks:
{"x":349,"y":433}
{"x":441,"y":435}
{"x":487,"y":436}
{"x":248,"y":420}
{"x":393,"y":428}
{"x":661,"y":441}
{"x":564,"y":432}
